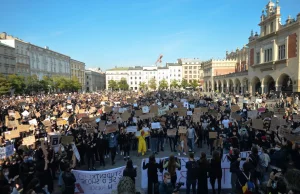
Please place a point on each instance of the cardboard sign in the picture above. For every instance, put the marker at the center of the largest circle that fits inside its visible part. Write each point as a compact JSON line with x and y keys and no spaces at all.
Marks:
{"x":138,"y":113}
{"x":38,"y":115}
{"x":47,"y":123}
{"x":130,"y":100}
{"x":236,"y":116}
{"x":66,"y":140}
{"x":204,"y":109}
{"x":171,"y":132}
{"x":111,"y":128}
{"x":182,"y":113}
{"x":17,"y":115}
{"x":105,"y":98}
{"x":274,"y":123}
{"x":61,"y":122}
{"x":213,"y":135}
{"x":189,"y":113}
{"x":132,"y":129}
{"x":30,"y":140}
{"x":12,"y":124}
{"x":33,"y":122}
{"x":196,"y":118}
{"x":222,"y":108}
{"x":24,"y":128}
{"x":125,"y":116}
{"x":11,"y":134}
{"x":182,"y":130}
{"x":154,"y":109}
{"x":197,"y":110}
{"x":235,"y":108}
{"x":258,"y":124}
{"x":102,"y":125}
{"x":147,"y":116}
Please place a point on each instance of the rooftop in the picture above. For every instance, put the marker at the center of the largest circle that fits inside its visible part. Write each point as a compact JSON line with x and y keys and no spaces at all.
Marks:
{"x":118,"y":69}
{"x":6,"y":45}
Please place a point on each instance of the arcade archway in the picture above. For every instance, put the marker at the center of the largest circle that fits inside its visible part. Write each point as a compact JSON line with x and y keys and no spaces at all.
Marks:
{"x":268,"y":84}
{"x":256,"y":85}
{"x":284,"y":83}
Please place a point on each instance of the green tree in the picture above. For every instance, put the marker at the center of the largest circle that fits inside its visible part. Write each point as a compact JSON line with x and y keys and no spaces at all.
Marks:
{"x":184,"y":83}
{"x":4,"y":85}
{"x":174,"y":84}
{"x":112,"y":84}
{"x":17,"y":83}
{"x":152,"y":83}
{"x":33,"y":84}
{"x":60,"y":83}
{"x":194,"y":84}
{"x":143,"y":86}
{"x":163,"y":84}
{"x":76,"y":85}
{"x":123,"y":85}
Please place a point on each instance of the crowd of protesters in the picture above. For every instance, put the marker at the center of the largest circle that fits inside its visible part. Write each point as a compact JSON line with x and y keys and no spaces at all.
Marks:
{"x":274,"y":159}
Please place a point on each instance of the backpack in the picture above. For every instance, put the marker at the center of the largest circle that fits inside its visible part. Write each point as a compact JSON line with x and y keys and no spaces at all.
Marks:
{"x":249,"y":187}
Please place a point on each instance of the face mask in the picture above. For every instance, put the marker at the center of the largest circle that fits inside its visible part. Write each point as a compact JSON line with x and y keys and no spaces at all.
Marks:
{"x":274,"y":185}
{"x":95,"y":131}
{"x":6,"y":173}
{"x":169,"y":181}
{"x":277,"y":148}
{"x":212,"y":129}
{"x":112,"y":136}
{"x":30,"y":158}
{"x":101,"y":137}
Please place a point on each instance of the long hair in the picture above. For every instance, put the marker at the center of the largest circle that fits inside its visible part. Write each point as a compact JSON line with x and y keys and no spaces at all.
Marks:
{"x":129,"y":164}
{"x":216,"y":156}
{"x":172,"y":165}
{"x":152,"y":159}
{"x":203,"y":157}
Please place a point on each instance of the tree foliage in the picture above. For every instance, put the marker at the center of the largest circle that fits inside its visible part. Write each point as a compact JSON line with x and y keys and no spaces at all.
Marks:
{"x":122,"y":84}
{"x":17,"y":83}
{"x":5,"y":86}
{"x":112,"y":84}
{"x":163,"y":84}
{"x":174,"y":84}
{"x":152,"y":83}
{"x":143,"y":86}
{"x":184,"y":83}
{"x":194,"y":84}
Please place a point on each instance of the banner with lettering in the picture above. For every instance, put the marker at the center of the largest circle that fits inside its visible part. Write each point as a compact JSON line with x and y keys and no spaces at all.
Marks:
{"x":181,"y":175}
{"x":6,"y":151}
{"x":93,"y":182}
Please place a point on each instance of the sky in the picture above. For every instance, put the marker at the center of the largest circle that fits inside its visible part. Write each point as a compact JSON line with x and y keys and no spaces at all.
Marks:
{"x":109,"y":33}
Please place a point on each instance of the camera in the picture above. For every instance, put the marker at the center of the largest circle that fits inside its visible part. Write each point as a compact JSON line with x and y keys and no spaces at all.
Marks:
{"x":178,"y":186}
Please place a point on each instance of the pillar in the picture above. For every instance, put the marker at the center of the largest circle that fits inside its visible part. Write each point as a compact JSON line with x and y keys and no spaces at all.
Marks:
{"x":242,"y":89}
{"x":278,"y":88}
{"x":250,"y":90}
{"x":262,"y":89}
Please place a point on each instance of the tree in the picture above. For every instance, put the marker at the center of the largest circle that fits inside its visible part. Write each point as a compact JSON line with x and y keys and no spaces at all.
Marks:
{"x":184,"y":83}
{"x":123,"y":85}
{"x":174,"y":84}
{"x":152,"y":83}
{"x":143,"y":86}
{"x":17,"y":83}
{"x":33,"y":84}
{"x":75,"y":84}
{"x":194,"y":84}
{"x":112,"y":84}
{"x":4,"y":85}
{"x":61,"y":83}
{"x":163,"y":84}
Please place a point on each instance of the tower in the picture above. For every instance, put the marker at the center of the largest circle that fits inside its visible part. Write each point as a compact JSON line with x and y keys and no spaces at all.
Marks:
{"x":270,"y":19}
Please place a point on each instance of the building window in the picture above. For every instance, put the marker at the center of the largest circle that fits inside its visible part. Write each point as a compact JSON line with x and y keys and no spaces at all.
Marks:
{"x":185,"y":72}
{"x":140,"y":77}
{"x":258,"y":58}
{"x":195,"y":67}
{"x":195,"y":76}
{"x":130,"y":77}
{"x":185,"y":67}
{"x":195,"y":72}
{"x":190,"y":67}
{"x":271,"y":27}
{"x":281,"y":52}
{"x":190,"y":76}
{"x":268,"y":55}
{"x":190,"y":72}
{"x":185,"y":76}
{"x":265,"y":30}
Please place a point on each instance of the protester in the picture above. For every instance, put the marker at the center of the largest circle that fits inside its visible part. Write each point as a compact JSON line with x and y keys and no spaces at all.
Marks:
{"x":215,"y":171}
{"x":152,"y":167}
{"x":130,"y":171}
{"x":191,"y":174}
{"x":203,"y":171}
{"x":171,"y":166}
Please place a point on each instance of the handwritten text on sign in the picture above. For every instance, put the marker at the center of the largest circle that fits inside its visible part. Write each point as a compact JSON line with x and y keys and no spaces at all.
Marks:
{"x":103,"y":182}
{"x":181,"y":175}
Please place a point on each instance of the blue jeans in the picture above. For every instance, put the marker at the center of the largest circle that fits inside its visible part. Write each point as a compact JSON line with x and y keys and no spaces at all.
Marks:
{"x":160,"y":143}
{"x":154,"y":144}
{"x":188,"y":186}
{"x":191,"y":143}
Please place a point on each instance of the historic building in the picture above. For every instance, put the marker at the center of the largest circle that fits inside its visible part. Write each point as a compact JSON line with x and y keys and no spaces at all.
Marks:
{"x":78,"y":70}
{"x":7,"y":60}
{"x":95,"y":80}
{"x":42,"y":61}
{"x":274,"y":63}
{"x":192,"y":69}
{"x":22,"y":55}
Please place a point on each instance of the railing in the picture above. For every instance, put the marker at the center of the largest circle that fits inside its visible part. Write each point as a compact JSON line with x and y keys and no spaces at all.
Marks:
{"x":235,"y":74}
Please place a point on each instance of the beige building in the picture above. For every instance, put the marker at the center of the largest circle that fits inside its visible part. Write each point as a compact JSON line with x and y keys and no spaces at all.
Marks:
{"x":94,"y":80}
{"x":236,"y":81}
{"x":214,"y":68}
{"x":7,"y":60}
{"x":78,"y":70}
{"x":274,"y":63}
{"x":191,"y":69}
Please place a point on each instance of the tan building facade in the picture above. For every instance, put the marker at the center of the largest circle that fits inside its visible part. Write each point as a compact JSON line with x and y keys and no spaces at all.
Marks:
{"x":7,"y":60}
{"x":78,"y":71}
{"x":274,"y":63}
{"x":192,"y":69}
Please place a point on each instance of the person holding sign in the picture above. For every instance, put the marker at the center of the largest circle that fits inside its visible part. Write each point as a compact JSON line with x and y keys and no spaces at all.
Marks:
{"x":191,"y":138}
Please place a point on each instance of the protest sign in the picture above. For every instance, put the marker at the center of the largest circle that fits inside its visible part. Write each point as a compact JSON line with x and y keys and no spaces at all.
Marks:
{"x":33,"y":122}
{"x":111,"y":128}
{"x":182,"y":173}
{"x":46,"y":123}
{"x":274,"y":123}
{"x":62,"y":122}
{"x":213,"y":135}
{"x":138,"y":113}
{"x":12,"y":134}
{"x":132,"y":129}
{"x":125,"y":116}
{"x":54,"y":139}
{"x":66,"y":140}
{"x":258,"y":124}
{"x":171,"y":132}
{"x":204,"y":109}
{"x":6,"y":151}
{"x":30,"y":140}
{"x":155,"y":125}
{"x":103,"y":182}
{"x":145,"y":109}
{"x":235,"y":108}
{"x":24,"y":128}
{"x":182,"y":130}
{"x":252,"y":114}
{"x":189,"y":113}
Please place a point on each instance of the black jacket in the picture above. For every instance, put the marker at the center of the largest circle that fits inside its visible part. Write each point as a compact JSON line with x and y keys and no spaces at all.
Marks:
{"x":130,"y":172}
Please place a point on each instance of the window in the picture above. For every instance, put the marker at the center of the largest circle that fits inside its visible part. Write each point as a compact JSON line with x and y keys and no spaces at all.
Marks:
{"x":190,"y":76}
{"x":185,"y":76}
{"x":195,"y":76}
{"x":185,"y":67}
{"x":131,"y":83}
{"x":195,"y":67}
{"x":195,"y":72}
{"x":281,"y":52}
{"x":190,"y":72}
{"x":258,"y":58}
{"x":185,"y":72}
{"x":135,"y":77}
{"x":130,"y":77}
{"x":265,"y":30}
{"x":190,"y":67}
{"x":271,"y":27}
{"x":140,"y":77}
{"x":268,"y":55}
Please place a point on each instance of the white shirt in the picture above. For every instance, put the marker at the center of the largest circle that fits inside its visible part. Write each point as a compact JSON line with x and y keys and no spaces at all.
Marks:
{"x":226,"y":123}
{"x":191,"y":133}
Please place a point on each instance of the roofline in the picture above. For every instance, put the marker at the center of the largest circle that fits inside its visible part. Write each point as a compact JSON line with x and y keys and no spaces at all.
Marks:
{"x":6,"y":45}
{"x":50,"y":50}
{"x":76,"y":61}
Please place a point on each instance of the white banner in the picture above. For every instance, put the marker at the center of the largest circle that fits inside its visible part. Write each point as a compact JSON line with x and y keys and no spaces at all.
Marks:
{"x":181,"y":175}
{"x":6,"y":151}
{"x":92,"y":182}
